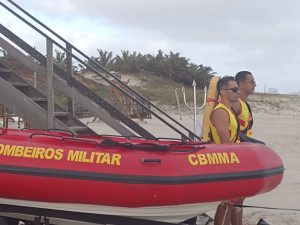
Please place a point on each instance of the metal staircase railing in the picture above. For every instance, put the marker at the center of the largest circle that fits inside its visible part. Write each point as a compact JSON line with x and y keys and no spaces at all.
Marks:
{"x":76,"y":84}
{"x":64,"y":88}
{"x":31,"y":104}
{"x":139,"y":99}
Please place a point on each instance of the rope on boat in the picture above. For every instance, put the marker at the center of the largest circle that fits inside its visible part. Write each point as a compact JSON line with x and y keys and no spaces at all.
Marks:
{"x":151,"y":146}
{"x":264,"y":207}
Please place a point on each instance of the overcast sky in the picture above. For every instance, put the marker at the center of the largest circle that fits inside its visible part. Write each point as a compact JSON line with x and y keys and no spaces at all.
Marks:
{"x":262,"y":36}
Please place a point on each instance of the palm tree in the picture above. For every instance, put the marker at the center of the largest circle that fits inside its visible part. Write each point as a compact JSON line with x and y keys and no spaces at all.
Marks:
{"x":201,"y":74}
{"x":129,"y":62}
{"x":137,"y":62}
{"x":121,"y":62}
{"x":173,"y":64}
{"x":61,"y":62}
{"x":207,"y":70}
{"x":105,"y":58}
{"x":60,"y":59}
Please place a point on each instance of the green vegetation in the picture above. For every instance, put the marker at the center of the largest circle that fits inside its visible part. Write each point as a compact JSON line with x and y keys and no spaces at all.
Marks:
{"x":162,"y":91}
{"x":170,"y":66}
{"x":162,"y":73}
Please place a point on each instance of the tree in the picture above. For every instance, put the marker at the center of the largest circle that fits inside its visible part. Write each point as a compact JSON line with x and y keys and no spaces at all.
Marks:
{"x":61,"y":62}
{"x":153,"y":63}
{"x":201,"y":74}
{"x":105,"y":59}
{"x":173,"y":64}
{"x":60,"y":59}
{"x":129,"y":62}
{"x":206,"y":70}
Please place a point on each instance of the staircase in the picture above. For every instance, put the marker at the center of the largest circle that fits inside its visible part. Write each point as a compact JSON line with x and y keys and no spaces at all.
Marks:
{"x":30,"y":104}
{"x":36,"y":107}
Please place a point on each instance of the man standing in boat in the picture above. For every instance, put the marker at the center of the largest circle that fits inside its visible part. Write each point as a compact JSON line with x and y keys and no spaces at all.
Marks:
{"x":225,"y":129}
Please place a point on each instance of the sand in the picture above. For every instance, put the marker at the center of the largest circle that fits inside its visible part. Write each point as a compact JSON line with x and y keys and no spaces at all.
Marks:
{"x":282,"y":133}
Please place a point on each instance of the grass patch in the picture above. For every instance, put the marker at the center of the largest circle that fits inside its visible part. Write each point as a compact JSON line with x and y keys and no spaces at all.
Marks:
{"x":162,"y":91}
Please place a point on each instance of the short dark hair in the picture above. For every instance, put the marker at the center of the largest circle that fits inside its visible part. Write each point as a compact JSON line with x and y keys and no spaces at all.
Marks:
{"x":223,"y":82}
{"x":242,"y":76}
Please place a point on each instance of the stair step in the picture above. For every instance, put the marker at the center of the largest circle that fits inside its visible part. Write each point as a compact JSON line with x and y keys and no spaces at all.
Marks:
{"x":4,"y":70}
{"x":62,"y":114}
{"x":18,"y":84}
{"x":39,"y":99}
{"x":77,"y":128}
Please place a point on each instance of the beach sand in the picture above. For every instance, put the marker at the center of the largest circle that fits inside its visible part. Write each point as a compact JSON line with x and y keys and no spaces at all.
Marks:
{"x":281,"y":132}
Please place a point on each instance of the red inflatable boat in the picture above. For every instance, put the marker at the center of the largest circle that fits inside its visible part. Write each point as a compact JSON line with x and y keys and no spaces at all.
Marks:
{"x":162,"y":180}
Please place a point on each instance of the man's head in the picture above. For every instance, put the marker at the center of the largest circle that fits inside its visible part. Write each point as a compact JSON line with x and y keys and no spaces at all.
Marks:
{"x":228,"y":89}
{"x":246,"y":82}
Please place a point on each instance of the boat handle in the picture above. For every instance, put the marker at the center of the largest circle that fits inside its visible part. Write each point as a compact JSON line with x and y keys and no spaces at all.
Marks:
{"x":47,"y":135}
{"x":80,"y":140}
{"x":62,"y":130}
{"x":151,"y":161}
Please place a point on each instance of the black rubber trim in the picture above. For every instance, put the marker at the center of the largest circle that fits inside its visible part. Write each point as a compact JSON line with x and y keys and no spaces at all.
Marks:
{"x":141,"y":179}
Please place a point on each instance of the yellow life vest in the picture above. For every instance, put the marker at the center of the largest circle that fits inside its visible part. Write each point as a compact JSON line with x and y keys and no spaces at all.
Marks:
{"x":233,"y":126}
{"x":244,"y":119}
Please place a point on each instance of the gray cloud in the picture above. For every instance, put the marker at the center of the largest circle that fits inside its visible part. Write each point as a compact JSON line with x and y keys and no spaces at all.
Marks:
{"x":228,"y":35}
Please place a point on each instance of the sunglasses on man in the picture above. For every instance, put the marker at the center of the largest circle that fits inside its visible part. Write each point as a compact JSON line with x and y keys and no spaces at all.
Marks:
{"x":234,"y":89}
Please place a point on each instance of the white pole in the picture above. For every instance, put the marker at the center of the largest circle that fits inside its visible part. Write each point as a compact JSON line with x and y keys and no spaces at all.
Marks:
{"x":195,"y":108}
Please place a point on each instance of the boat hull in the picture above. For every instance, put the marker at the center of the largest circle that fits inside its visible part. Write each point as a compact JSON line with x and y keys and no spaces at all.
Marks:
{"x":53,"y":189}
{"x":169,"y":214}
{"x":59,"y":170}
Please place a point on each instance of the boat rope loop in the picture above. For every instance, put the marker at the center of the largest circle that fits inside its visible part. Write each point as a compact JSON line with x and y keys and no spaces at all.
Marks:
{"x":151,"y":146}
{"x":263,"y":207}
